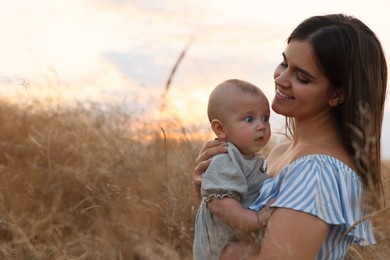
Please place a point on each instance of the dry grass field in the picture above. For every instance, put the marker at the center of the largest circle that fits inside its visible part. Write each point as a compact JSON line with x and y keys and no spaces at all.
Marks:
{"x":80,"y":184}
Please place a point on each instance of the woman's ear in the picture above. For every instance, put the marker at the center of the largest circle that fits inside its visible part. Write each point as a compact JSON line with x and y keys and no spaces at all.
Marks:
{"x":218,"y":129}
{"x":337,"y":97}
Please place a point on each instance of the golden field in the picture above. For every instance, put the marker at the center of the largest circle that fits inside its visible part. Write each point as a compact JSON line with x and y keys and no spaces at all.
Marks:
{"x":82,"y":183}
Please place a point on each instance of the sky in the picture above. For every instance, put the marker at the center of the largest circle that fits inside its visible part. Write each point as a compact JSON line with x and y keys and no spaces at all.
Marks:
{"x":123,"y":51}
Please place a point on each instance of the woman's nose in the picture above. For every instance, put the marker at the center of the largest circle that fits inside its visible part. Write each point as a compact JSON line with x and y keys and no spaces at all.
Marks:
{"x":281,"y":77}
{"x":278,"y":71}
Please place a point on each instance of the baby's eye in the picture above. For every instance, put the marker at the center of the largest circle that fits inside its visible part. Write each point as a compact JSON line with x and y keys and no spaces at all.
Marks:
{"x":249,"y":119}
{"x":265,"y":119}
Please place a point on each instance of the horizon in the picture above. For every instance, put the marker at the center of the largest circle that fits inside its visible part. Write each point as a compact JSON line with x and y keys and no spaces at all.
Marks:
{"x":122,"y":52}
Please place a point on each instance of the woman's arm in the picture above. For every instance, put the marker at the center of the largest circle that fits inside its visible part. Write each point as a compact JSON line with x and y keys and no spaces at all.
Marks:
{"x":231,"y":212}
{"x":292,"y":234}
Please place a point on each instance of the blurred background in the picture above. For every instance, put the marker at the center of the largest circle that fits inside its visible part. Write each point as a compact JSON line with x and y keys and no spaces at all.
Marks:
{"x":103,"y":112}
{"x":123,"y":51}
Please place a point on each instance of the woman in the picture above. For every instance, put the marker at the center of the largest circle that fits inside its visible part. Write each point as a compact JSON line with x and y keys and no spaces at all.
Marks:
{"x":331,"y":86}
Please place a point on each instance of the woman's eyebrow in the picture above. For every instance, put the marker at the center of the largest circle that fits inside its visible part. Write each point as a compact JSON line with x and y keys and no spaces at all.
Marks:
{"x":299,"y":69}
{"x":306,"y":73}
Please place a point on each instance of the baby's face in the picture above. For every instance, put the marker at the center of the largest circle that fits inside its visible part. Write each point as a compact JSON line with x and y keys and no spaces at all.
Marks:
{"x":246,"y":122}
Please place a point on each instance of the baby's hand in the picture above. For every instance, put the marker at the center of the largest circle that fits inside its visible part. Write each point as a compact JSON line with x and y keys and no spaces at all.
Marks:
{"x":264,"y":214}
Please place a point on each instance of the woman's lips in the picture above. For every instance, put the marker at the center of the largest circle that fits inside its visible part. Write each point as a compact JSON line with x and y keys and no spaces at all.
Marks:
{"x":278,"y":92}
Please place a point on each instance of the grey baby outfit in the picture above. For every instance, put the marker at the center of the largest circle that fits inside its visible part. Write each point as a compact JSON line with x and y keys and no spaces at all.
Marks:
{"x":232,"y":175}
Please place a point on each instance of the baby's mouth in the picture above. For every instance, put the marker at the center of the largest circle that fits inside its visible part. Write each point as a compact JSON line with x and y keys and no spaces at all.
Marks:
{"x":258,"y":139}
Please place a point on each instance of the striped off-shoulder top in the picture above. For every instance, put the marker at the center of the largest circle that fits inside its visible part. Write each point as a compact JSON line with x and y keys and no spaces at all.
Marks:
{"x":323,"y":186}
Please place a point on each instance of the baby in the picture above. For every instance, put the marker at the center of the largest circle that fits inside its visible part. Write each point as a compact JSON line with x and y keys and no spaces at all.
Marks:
{"x":239,"y":114}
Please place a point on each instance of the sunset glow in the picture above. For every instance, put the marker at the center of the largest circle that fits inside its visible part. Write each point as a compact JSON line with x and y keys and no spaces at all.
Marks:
{"x":122,"y":52}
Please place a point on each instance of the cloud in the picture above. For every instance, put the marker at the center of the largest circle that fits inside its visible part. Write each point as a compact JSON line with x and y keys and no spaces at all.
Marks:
{"x":142,"y":68}
{"x":144,"y":5}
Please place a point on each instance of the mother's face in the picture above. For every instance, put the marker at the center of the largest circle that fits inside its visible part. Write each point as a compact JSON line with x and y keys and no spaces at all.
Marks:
{"x":301,"y":88}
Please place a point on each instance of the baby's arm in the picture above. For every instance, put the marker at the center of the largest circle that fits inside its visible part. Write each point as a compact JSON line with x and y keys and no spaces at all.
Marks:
{"x":232,"y":213}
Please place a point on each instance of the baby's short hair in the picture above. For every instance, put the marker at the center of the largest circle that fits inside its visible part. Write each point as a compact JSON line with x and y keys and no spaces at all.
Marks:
{"x":216,"y":97}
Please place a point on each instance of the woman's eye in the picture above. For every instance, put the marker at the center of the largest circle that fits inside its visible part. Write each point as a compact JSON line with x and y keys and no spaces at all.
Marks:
{"x":302,"y":79}
{"x":283,"y":64}
{"x":248,"y":119}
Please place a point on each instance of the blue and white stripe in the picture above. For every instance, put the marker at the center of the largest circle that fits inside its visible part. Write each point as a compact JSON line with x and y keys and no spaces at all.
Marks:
{"x":325,"y":187}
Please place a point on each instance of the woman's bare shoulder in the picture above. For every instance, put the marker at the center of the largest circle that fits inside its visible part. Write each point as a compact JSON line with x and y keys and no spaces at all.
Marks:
{"x":336,"y":151}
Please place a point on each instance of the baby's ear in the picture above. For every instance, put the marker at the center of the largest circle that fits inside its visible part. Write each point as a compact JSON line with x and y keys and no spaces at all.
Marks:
{"x":337,"y":97}
{"x":218,"y":129}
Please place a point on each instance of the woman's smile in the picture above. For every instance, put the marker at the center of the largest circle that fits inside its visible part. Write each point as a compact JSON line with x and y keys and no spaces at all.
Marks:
{"x":281,"y":94}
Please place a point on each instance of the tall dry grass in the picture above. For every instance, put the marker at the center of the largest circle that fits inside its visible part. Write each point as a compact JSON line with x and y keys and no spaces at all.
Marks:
{"x":76,"y":184}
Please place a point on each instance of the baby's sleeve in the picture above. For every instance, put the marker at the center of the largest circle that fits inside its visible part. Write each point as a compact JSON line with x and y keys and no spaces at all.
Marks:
{"x":223,"y":178}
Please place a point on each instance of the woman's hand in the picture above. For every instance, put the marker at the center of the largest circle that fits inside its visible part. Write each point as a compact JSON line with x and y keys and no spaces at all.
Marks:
{"x":204,"y":159}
